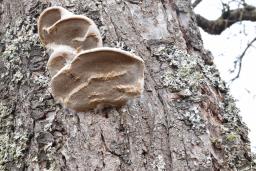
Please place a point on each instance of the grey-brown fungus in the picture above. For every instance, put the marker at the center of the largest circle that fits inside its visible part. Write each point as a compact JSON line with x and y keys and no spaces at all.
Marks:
{"x":57,"y":27}
{"x":86,"y":75}
{"x":106,"y":76}
{"x":61,"y":56}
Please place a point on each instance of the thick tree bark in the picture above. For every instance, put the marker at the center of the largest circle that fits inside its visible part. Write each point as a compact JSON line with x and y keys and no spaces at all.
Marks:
{"x":185,"y":119}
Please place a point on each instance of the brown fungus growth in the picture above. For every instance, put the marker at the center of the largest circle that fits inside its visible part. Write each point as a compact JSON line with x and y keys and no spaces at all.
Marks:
{"x":57,"y":27}
{"x":61,"y":56}
{"x":106,"y":76}
{"x":86,"y":75}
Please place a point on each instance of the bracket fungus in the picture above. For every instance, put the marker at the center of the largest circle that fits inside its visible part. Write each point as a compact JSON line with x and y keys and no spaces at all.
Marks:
{"x":86,"y":75}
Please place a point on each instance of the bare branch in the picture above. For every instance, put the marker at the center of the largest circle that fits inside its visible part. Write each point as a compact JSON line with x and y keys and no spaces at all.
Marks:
{"x":227,"y":18}
{"x":196,"y":3}
{"x":239,"y":60}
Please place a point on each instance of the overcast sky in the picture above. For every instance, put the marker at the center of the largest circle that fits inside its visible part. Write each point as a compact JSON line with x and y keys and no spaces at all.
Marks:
{"x":226,"y":48}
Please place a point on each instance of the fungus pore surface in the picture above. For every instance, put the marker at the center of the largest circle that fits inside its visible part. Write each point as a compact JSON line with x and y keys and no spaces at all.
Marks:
{"x":86,"y":75}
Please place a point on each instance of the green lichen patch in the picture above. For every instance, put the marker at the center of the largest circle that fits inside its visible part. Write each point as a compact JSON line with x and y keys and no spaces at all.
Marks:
{"x":20,"y":42}
{"x":232,"y":137}
{"x":188,"y":73}
{"x":12,"y":144}
{"x":184,"y":72}
{"x":12,"y":149}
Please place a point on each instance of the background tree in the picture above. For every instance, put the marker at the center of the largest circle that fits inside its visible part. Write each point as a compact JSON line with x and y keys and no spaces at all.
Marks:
{"x":185,"y":120}
{"x":228,"y":17}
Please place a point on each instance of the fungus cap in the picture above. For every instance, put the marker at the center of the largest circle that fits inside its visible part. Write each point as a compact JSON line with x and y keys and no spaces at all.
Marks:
{"x":101,"y":76}
{"x":61,"y":56}
{"x":58,"y":26}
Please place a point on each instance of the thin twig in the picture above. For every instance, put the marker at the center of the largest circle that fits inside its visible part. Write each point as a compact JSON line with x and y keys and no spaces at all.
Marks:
{"x":196,"y":3}
{"x":240,"y":60}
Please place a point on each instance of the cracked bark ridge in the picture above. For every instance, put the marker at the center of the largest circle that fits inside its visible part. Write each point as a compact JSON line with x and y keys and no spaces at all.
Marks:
{"x":84,"y":75}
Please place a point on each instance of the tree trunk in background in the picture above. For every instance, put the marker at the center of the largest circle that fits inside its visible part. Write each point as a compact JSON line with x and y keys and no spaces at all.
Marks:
{"x":185,"y":119}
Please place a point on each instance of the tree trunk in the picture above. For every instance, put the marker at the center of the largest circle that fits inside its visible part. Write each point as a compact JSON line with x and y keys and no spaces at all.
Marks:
{"x":185,"y":119}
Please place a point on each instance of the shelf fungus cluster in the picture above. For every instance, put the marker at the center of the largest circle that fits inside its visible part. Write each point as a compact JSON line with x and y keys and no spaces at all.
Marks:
{"x":86,"y":75}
